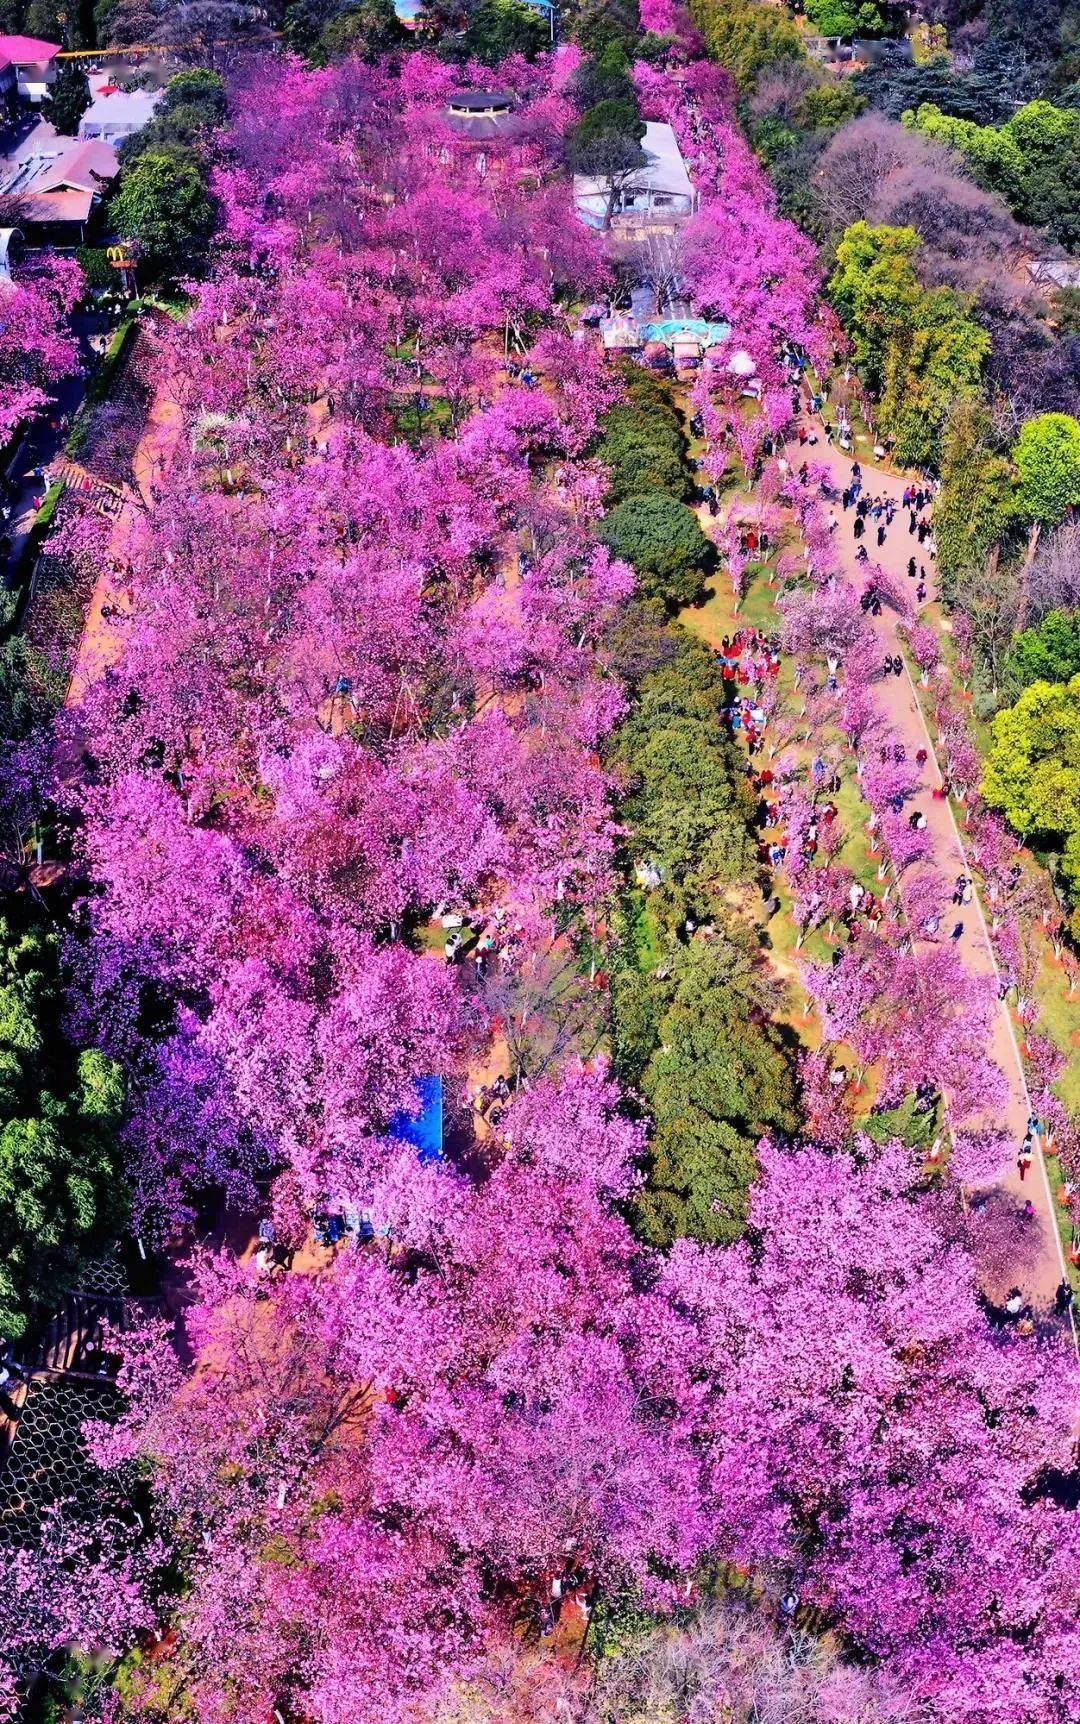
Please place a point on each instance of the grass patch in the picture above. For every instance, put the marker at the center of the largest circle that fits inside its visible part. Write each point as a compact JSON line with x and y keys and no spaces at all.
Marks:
{"x":1062,"y":1217}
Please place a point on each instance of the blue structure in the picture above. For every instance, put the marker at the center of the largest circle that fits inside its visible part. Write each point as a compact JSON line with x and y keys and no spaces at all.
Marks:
{"x":672,"y":329}
{"x":424,"y":1130}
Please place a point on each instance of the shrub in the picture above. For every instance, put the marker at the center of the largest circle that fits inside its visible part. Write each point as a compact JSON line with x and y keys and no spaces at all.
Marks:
{"x":663,"y":540}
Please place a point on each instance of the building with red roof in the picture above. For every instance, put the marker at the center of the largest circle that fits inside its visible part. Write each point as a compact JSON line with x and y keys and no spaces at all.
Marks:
{"x":57,"y":183}
{"x":34,"y":63}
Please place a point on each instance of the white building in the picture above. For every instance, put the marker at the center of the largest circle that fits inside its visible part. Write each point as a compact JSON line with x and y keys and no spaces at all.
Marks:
{"x":660,"y":194}
{"x":114,"y":114}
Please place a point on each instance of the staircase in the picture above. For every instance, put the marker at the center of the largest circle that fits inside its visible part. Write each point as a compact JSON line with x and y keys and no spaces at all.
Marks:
{"x":107,"y":499}
{"x":73,"y":1346}
{"x":75,"y":1342}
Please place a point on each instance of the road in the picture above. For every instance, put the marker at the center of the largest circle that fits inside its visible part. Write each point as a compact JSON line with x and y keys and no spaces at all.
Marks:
{"x":899,"y":704}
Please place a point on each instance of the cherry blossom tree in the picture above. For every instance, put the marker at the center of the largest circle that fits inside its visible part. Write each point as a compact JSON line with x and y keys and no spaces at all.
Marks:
{"x":878,"y":1444}
{"x":37,"y":348}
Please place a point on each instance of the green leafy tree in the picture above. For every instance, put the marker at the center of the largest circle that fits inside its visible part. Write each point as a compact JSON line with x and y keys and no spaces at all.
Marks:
{"x":628,"y":423}
{"x":637,"y":1008}
{"x":829,"y":104}
{"x":648,"y":392}
{"x":1050,"y":652}
{"x":718,"y":1079}
{"x":62,"y":1195}
{"x":70,"y":99}
{"x":747,"y":37}
{"x":687,"y":803}
{"x":643,"y":459}
{"x":163,"y":203}
{"x":1047,"y":459}
{"x":691,"y":1034}
{"x":1048,"y":138}
{"x":974,"y":508}
{"x":55,"y":21}
{"x":996,"y":157}
{"x":596,"y":25}
{"x":303,"y":22}
{"x":1033,"y":769}
{"x":498,"y":28}
{"x":663,"y":540}
{"x":846,"y":18}
{"x":644,"y":444}
{"x":876,"y":291}
{"x":936,"y":362}
{"x":605,"y":77}
{"x":367,"y":30}
{"x":653,"y":48}
{"x":193,"y":105}
{"x":615,"y":116}
{"x":198,"y":87}
{"x":1033,"y":160}
{"x":917,"y":348}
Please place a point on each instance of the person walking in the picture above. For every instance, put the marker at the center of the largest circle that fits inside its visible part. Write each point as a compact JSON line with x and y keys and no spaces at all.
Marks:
{"x":881,"y":535}
{"x":911,"y":568}
{"x":1023,"y":1160}
{"x":860,"y":526}
{"x":958,"y":929}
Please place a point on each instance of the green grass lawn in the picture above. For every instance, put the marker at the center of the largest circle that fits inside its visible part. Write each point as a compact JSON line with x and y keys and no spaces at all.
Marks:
{"x":1061,"y":1214}
{"x":711,"y":620}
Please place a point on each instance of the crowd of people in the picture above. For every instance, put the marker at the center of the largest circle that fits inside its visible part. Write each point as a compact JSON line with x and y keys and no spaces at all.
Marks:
{"x":749,"y":660}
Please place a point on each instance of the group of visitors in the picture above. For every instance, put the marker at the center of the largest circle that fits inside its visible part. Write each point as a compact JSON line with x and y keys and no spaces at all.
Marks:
{"x":864,"y":911}
{"x":874,"y":517}
{"x":749,"y":657}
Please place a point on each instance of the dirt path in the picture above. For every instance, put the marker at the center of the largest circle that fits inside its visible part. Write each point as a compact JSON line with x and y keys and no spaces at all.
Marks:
{"x":898,"y":702}
{"x":102,"y":641}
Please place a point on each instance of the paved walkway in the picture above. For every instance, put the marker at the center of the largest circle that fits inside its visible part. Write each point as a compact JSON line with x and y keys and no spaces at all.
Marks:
{"x":900,"y":705}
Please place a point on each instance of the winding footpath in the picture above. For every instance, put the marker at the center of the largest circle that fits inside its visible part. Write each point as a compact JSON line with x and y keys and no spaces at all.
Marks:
{"x":900,"y":707}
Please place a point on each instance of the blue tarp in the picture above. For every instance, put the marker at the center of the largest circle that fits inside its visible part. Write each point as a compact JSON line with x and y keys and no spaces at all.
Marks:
{"x":424,"y":1130}
{"x":672,"y":329}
